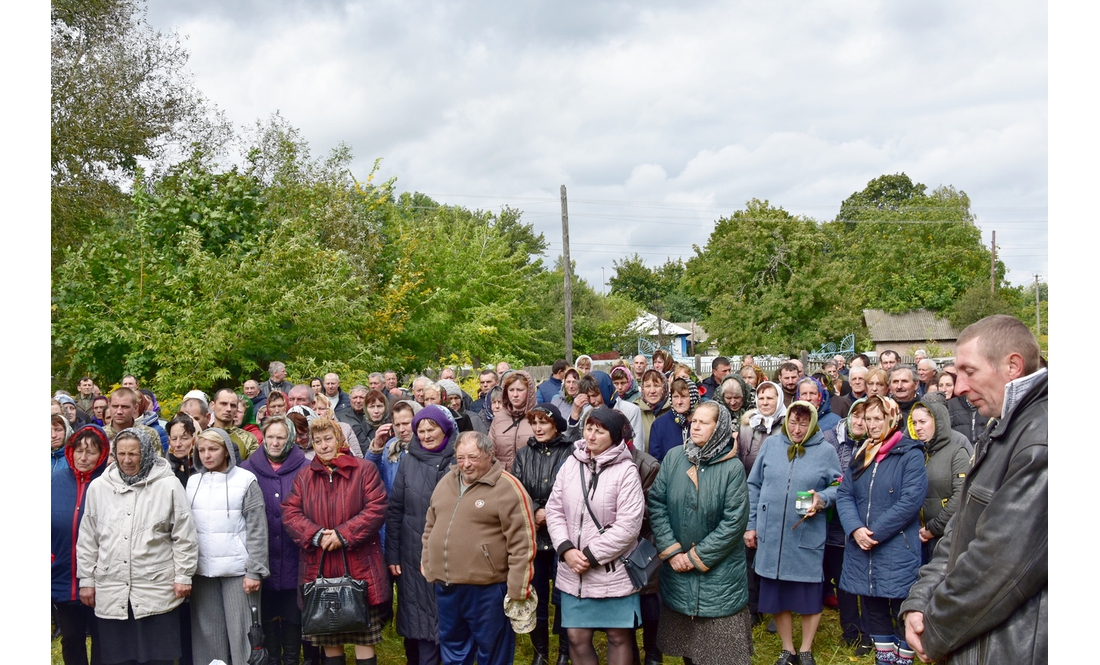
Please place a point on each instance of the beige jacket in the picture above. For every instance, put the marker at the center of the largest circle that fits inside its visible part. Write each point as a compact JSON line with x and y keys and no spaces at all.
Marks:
{"x":135,"y":542}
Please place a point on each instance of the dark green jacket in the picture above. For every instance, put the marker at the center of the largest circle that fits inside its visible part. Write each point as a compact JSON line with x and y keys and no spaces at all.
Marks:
{"x":702,"y":512}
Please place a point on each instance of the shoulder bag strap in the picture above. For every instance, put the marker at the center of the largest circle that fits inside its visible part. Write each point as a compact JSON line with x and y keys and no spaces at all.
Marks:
{"x":584,"y":489}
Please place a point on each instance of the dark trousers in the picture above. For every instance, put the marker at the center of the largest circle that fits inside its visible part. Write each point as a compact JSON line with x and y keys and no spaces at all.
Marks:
{"x":651,"y":611}
{"x":754,"y":583}
{"x":421,"y":652}
{"x":880,"y":617}
{"x":546,"y":567}
{"x":472,"y":624}
{"x":282,"y":624}
{"x":847,"y":603}
{"x":76,"y":621}
{"x":185,"y":634}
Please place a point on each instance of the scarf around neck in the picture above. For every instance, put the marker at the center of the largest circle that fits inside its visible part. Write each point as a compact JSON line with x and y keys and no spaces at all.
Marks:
{"x":681,"y":419}
{"x":719,"y":440}
{"x":862,"y":458}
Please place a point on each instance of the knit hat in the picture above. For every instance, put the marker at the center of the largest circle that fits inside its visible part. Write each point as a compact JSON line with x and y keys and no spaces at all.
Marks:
{"x":553,"y":412}
{"x":611,"y":420}
{"x":449,"y":387}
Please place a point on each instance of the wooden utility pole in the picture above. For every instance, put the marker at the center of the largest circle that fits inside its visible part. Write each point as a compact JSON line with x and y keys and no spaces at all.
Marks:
{"x":1038,"y":322}
{"x":993,"y":266}
{"x":568,"y":278}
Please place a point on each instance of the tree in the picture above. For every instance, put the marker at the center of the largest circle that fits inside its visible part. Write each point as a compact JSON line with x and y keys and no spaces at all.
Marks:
{"x":772,"y":282}
{"x":658,"y":290}
{"x":976,"y":303}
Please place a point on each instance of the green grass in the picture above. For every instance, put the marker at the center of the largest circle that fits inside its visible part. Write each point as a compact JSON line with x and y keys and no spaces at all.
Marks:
{"x":828,"y":647}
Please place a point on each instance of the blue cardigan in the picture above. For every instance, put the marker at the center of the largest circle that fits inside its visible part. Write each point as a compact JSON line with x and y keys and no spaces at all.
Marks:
{"x":664,"y":435}
{"x":892,"y":493}
{"x":783,"y":554}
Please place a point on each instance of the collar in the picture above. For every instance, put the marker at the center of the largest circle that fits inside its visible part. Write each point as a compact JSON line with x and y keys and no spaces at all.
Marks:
{"x":1015,"y":390}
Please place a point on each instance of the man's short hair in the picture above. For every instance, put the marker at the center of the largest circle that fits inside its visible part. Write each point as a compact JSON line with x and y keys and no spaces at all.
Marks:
{"x":1001,"y":334}
{"x":275,"y":366}
{"x":248,"y":381}
{"x":889,"y":352}
{"x":85,"y":378}
{"x":588,"y":384}
{"x":388,"y":372}
{"x":309,"y":392}
{"x":789,"y":367}
{"x":483,"y":442}
{"x":423,"y":380}
{"x":928,"y":361}
{"x":376,"y":375}
{"x":218,"y":392}
{"x":858,"y":369}
{"x":863,"y":357}
{"x":720,"y":361}
{"x":489,"y":371}
{"x":203,"y":408}
{"x":828,"y":363}
{"x":126,"y":392}
{"x":559,"y":366}
{"x":359,"y":388}
{"x":905,"y":368}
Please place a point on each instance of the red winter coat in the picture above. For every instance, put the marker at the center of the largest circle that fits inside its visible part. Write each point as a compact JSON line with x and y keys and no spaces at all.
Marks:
{"x":351,"y":499}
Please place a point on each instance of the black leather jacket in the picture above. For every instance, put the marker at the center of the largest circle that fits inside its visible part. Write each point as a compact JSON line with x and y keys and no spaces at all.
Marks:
{"x":984,"y":594}
{"x":536,"y":466}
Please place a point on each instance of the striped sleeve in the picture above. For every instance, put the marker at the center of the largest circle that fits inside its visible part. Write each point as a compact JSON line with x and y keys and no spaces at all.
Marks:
{"x":518,"y":526}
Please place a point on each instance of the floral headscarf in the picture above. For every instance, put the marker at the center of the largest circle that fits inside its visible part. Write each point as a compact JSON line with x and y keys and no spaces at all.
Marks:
{"x":632,"y":389}
{"x":719,"y":440}
{"x":862,"y":458}
{"x":149,"y":450}
{"x":681,"y":419}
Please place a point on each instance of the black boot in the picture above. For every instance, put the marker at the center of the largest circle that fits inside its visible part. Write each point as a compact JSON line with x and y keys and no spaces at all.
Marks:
{"x":291,"y":640}
{"x":333,"y":660}
{"x":563,"y":649}
{"x":373,"y":660}
{"x":540,"y":642}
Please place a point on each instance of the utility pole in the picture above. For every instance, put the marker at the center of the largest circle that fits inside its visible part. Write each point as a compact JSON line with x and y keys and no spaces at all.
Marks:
{"x":1038,"y":326}
{"x":993,"y":266}
{"x":568,"y":278}
{"x":603,"y":274}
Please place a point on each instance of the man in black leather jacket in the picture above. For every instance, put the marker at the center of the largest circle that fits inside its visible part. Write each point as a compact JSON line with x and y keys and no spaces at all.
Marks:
{"x":983,"y":597}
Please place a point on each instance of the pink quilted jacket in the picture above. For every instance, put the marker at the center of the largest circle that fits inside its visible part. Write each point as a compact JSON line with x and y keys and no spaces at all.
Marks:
{"x":619,"y":505}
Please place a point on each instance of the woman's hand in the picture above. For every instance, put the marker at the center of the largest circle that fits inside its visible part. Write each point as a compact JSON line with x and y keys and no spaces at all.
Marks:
{"x":864,"y":539}
{"x":681,"y":563}
{"x":330,"y":541}
{"x":251,"y":585}
{"x":87,"y":595}
{"x":577,"y":561}
{"x":540,"y":518}
{"x":395,"y":571}
{"x":750,"y":539}
{"x":579,"y":402}
{"x":182,"y":590}
{"x":381,"y":436}
{"x":925,"y":535}
{"x":817,"y":505}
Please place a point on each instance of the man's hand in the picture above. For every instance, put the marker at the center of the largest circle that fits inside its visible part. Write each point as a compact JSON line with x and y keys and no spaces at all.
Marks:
{"x":182,"y":590}
{"x":540,"y":518}
{"x":395,"y":571}
{"x":864,"y":539}
{"x":681,"y":563}
{"x":750,"y":539}
{"x":87,"y":595}
{"x":914,"y":629}
{"x":577,"y":561}
{"x":330,"y":541}
{"x":925,"y":535}
{"x":251,"y":585}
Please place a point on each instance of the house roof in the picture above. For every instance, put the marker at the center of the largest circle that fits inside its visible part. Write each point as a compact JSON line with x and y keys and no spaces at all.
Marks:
{"x":915,"y":325}
{"x":646,"y":324}
{"x":700,"y":334}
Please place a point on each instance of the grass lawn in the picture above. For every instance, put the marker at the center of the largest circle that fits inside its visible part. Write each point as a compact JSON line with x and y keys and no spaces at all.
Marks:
{"x":828,"y":649}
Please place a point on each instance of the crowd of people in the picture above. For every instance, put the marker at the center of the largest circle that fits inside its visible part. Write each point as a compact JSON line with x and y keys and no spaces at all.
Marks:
{"x":911,"y":498}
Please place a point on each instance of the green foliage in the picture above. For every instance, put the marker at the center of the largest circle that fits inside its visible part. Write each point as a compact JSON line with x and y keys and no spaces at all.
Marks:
{"x":659,"y":290}
{"x":772,"y":282}
{"x":976,"y":303}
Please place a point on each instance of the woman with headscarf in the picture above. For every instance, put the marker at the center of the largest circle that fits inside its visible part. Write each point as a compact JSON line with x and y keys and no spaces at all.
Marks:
{"x":734,"y":394}
{"x":583,"y":365}
{"x":181,"y":443}
{"x":324,"y":410}
{"x":797,"y":461}
{"x":228,"y":509}
{"x":536,"y":466}
{"x":338,"y":502}
{"x":879,"y":503}
{"x":626,"y":388}
{"x":246,"y":418}
{"x":99,"y":409}
{"x":430,"y":456}
{"x":946,"y":463}
{"x":87,"y":451}
{"x":569,"y":389}
{"x":510,"y":429}
{"x":60,"y":431}
{"x":136,"y":585}
{"x":494,"y":404}
{"x":654,"y":401}
{"x":597,"y":483}
{"x":846,"y":438}
{"x":672,"y":429}
{"x":275,"y":470}
{"x":698,"y":507}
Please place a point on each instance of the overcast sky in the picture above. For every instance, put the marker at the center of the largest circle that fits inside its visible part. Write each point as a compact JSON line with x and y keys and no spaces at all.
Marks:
{"x":658,"y":117}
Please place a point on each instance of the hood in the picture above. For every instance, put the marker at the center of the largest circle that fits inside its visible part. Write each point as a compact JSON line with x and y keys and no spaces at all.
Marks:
{"x":577,"y":362}
{"x":68,"y":433}
{"x":607,"y":388}
{"x":937,"y":406}
{"x":230,"y":447}
{"x":813,"y":429}
{"x":532,"y":398}
{"x":104,"y":451}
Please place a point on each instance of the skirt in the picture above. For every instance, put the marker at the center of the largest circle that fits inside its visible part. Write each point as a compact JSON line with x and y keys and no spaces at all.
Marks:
{"x":706,"y":640}
{"x":155,"y":637}
{"x":783,"y":596}
{"x":624,"y":612}
{"x":380,"y":615}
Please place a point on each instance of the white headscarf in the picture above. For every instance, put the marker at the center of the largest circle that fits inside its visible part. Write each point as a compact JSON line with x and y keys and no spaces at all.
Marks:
{"x":765,"y":423}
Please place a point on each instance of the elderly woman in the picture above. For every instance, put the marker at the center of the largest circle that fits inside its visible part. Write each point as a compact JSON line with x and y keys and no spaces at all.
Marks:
{"x":87,"y":451}
{"x":654,"y":401}
{"x":510,"y":429}
{"x":598,"y":483}
{"x":670,"y":431}
{"x":699,"y":506}
{"x":228,"y":509}
{"x":324,"y":410}
{"x":536,"y":466}
{"x":734,"y":394}
{"x":275,"y":404}
{"x":946,"y":462}
{"x":275,"y":470}
{"x":430,"y":455}
{"x":136,"y":585}
{"x":795,"y":461}
{"x":584,"y":364}
{"x":563,"y":401}
{"x":879,"y":503}
{"x":60,"y":431}
{"x":338,"y":501}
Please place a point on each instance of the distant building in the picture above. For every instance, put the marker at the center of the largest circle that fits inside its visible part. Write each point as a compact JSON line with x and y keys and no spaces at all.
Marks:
{"x":703,"y":345}
{"x":676,"y":338}
{"x":914,"y":329}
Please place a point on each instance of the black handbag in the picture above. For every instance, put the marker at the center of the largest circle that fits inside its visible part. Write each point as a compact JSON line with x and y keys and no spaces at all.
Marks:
{"x":642,"y":562}
{"x":334,"y":604}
